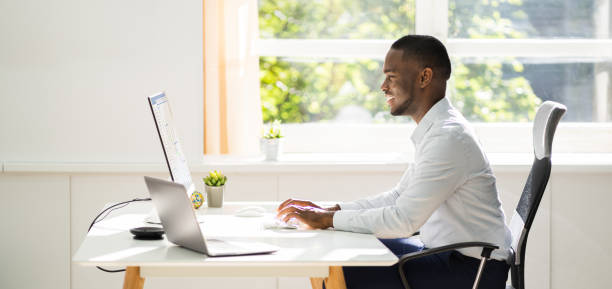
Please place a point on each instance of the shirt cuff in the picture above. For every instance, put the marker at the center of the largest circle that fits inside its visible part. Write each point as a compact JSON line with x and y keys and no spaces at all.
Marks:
{"x":342,"y":219}
{"x":349,"y":206}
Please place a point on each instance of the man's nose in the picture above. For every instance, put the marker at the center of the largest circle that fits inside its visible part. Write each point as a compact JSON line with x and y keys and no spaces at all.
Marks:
{"x":384,"y":86}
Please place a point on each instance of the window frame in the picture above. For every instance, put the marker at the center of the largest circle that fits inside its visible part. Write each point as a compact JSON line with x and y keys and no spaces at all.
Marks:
{"x":428,"y":20}
{"x":457,"y":47}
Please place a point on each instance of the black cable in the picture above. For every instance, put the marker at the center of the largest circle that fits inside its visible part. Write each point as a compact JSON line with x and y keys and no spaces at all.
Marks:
{"x":110,"y":210}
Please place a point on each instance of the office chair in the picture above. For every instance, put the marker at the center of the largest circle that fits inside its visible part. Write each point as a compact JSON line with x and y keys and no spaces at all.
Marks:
{"x":544,"y":126}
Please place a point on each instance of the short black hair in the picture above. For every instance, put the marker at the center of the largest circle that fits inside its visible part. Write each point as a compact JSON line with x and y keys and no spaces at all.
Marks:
{"x":427,"y":50}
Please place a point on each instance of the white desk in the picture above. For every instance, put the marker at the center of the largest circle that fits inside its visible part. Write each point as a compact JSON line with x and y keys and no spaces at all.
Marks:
{"x":303,"y":253}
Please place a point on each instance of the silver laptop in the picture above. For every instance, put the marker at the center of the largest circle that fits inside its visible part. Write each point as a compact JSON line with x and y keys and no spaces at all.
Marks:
{"x":179,"y":221}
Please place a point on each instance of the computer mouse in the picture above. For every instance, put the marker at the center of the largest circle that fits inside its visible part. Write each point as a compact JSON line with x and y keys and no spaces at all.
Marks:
{"x":276,"y":224}
{"x":251,"y":211}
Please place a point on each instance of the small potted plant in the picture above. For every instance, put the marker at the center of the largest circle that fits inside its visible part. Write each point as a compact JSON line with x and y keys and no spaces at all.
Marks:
{"x":271,"y":141}
{"x":215,"y":183}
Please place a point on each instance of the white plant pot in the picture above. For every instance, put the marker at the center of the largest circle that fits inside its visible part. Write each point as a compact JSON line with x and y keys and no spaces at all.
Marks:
{"x":271,"y":148}
{"x":214,"y":196}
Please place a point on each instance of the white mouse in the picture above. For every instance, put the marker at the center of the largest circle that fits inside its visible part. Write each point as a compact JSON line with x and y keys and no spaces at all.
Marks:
{"x":251,"y":211}
{"x":276,"y":224}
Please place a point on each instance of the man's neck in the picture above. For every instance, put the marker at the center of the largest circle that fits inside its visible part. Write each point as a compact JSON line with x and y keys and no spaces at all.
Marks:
{"x":418,"y":115}
{"x":423,"y":109}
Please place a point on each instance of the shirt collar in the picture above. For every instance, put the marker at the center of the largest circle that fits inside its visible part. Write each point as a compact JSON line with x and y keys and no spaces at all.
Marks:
{"x":435,"y":112}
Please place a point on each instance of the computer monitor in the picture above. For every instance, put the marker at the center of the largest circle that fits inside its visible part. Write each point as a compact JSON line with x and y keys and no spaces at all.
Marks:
{"x":173,"y":152}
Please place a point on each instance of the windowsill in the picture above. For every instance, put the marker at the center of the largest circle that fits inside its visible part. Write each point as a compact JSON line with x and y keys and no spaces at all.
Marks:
{"x":315,"y":163}
{"x":515,"y":138}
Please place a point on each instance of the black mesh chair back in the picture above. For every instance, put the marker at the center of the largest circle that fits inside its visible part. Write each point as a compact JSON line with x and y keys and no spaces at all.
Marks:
{"x":544,"y":126}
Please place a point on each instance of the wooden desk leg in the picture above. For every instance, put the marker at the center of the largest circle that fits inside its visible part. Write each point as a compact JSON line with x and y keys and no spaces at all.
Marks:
{"x":334,"y":281}
{"x":132,"y":279}
{"x":316,"y":283}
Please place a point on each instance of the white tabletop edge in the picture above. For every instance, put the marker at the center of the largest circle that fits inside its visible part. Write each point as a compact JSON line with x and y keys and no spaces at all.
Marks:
{"x":392,"y":261}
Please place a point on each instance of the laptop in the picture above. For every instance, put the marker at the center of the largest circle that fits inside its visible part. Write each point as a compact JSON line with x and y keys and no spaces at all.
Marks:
{"x":179,"y":221}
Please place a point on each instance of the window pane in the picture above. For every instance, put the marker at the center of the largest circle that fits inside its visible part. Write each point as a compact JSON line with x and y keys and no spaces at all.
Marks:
{"x":323,"y":90}
{"x":386,"y":19}
{"x":529,"y":18}
{"x":493,"y":90}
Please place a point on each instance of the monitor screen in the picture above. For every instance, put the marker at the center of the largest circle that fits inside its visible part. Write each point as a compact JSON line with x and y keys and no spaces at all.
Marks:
{"x":175,"y":158}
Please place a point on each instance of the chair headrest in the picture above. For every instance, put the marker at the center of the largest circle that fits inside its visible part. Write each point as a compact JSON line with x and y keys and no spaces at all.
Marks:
{"x":547,"y":117}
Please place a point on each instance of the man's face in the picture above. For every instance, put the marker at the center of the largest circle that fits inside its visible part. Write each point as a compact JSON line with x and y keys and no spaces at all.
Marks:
{"x":401,"y":83}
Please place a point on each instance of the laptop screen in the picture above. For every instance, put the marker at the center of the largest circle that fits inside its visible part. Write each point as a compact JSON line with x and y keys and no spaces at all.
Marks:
{"x":175,"y":158}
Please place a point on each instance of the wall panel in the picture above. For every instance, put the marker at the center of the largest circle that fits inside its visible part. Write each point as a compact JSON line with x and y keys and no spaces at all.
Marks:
{"x":581,"y":232}
{"x":35,"y":226}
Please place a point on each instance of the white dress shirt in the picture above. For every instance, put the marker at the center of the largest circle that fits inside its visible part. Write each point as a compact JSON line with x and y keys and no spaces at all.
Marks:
{"x":448,"y":194}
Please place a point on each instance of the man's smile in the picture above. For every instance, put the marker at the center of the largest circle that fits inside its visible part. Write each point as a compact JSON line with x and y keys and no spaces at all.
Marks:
{"x":390,"y":99}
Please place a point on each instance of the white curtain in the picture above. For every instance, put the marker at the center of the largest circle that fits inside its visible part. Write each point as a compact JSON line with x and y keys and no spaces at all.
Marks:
{"x":232,"y":106}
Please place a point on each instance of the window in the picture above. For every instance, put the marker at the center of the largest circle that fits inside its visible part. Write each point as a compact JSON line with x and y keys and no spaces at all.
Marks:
{"x":320,"y":82}
{"x":321,"y":65}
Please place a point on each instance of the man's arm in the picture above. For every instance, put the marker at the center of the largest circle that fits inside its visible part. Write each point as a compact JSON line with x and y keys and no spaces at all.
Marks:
{"x":381,"y":200}
{"x":439,"y":171}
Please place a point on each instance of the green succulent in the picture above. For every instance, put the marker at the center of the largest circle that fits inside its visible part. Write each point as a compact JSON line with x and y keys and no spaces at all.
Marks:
{"x":273,"y":130}
{"x":215,"y":179}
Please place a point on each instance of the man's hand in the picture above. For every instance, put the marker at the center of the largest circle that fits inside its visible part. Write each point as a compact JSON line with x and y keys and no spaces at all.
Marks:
{"x":312,"y":217}
{"x":308,"y":213}
{"x":304,"y":203}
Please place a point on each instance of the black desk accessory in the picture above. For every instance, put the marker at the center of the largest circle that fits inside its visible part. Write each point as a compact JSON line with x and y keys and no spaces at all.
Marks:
{"x":147,"y":233}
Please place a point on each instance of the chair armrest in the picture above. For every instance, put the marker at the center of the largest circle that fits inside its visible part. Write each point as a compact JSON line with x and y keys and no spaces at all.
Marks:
{"x":487,"y":248}
{"x":446,"y":248}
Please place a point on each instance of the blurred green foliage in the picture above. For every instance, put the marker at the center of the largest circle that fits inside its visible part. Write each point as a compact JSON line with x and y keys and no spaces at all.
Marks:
{"x":314,"y":90}
{"x":490,"y":90}
{"x":379,"y":19}
{"x":484,"y":19}
{"x":484,"y":92}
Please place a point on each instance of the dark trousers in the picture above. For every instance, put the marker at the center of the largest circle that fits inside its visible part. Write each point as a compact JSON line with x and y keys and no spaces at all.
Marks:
{"x":445,"y":270}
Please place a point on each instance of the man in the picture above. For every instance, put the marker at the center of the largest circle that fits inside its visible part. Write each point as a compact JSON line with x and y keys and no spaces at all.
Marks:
{"x":448,"y":194}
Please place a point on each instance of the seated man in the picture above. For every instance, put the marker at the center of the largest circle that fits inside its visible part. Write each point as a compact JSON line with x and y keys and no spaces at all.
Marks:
{"x":449,"y":193}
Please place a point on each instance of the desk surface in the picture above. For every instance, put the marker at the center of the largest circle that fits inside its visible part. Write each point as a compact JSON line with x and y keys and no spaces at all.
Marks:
{"x":109,"y":243}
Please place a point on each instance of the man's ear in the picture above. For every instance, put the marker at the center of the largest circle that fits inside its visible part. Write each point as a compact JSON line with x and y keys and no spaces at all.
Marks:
{"x":425,"y":77}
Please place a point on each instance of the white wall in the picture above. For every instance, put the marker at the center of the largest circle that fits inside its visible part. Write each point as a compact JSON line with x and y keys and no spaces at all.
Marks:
{"x":75,"y":74}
